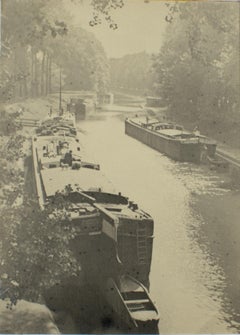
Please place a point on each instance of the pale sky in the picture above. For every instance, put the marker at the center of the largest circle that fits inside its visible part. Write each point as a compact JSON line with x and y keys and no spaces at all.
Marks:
{"x":140,"y":26}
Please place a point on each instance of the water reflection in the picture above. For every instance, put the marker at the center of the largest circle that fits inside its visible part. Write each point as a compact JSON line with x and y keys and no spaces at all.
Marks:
{"x":187,"y":283}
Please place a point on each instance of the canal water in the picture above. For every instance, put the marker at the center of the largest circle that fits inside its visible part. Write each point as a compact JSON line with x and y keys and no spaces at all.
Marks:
{"x":186,"y":281}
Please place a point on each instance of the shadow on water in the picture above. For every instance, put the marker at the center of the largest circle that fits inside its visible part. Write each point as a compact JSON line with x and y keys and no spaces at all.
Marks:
{"x":218,"y":237}
{"x":214,"y":202}
{"x":80,"y":303}
{"x":82,"y":308}
{"x":215,"y":207}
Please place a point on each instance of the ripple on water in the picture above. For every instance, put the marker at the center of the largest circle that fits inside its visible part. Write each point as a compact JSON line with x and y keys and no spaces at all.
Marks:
{"x":199,"y":179}
{"x":186,"y":281}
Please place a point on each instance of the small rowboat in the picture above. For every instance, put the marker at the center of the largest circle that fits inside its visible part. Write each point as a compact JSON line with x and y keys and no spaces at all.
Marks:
{"x":132,"y":304}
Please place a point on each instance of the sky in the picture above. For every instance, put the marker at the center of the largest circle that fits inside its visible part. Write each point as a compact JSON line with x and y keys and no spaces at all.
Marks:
{"x":141,"y":26}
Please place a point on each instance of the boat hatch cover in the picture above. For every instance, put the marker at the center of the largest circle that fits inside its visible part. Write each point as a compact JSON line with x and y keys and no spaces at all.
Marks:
{"x":143,"y":120}
{"x":175,"y":132}
{"x":87,"y":179}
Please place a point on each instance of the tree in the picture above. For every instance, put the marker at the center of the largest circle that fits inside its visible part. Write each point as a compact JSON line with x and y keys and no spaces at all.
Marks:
{"x":34,"y":44}
{"x":132,"y":72}
{"x":34,"y":251}
{"x":198,"y":64}
{"x":83,"y":60}
{"x":103,"y":8}
{"x":25,"y":28}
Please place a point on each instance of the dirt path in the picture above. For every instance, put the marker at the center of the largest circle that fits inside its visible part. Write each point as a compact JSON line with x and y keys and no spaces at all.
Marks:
{"x":34,"y":108}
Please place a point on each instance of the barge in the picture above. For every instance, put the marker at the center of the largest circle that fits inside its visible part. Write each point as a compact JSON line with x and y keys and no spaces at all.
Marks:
{"x":49,"y":147}
{"x":112,"y":237}
{"x":81,"y":107}
{"x":125,"y":231}
{"x":171,"y":140}
{"x":78,"y":107}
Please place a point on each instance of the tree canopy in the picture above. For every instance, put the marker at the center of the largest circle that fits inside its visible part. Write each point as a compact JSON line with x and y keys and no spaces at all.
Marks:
{"x":132,"y":72}
{"x":38,"y":37}
{"x":198,"y":65}
{"x":35,"y":253}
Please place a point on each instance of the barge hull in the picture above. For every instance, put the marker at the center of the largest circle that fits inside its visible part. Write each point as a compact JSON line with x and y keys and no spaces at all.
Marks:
{"x":183,"y":152}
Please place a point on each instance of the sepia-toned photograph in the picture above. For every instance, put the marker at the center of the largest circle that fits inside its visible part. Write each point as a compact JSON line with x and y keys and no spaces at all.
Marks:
{"x":119,"y":167}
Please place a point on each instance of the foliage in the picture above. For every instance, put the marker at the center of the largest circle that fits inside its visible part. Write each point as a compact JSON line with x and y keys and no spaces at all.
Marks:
{"x":104,"y":8}
{"x":34,"y":251}
{"x":37,"y":37}
{"x":132,"y":72}
{"x":83,"y":60}
{"x":198,"y":65}
{"x":25,"y":27}
{"x":27,"y":24}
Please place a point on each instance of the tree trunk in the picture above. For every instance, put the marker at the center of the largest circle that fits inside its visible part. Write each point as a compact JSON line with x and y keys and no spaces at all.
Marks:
{"x":47,"y":76}
{"x":36,"y":74}
{"x":50,"y":75}
{"x":15,"y":83}
{"x":20,"y":87}
{"x":42,"y":73}
{"x":32,"y":73}
{"x":25,"y":88}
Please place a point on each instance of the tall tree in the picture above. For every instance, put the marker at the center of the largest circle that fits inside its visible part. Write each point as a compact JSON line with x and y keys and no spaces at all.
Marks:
{"x":34,"y":43}
{"x":132,"y":72}
{"x":198,"y":66}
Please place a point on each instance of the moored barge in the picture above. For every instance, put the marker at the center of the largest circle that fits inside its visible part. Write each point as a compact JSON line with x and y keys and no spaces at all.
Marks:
{"x":78,"y":107}
{"x":97,"y":208}
{"x":50,"y":149}
{"x":113,"y":237}
{"x":171,"y":140}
